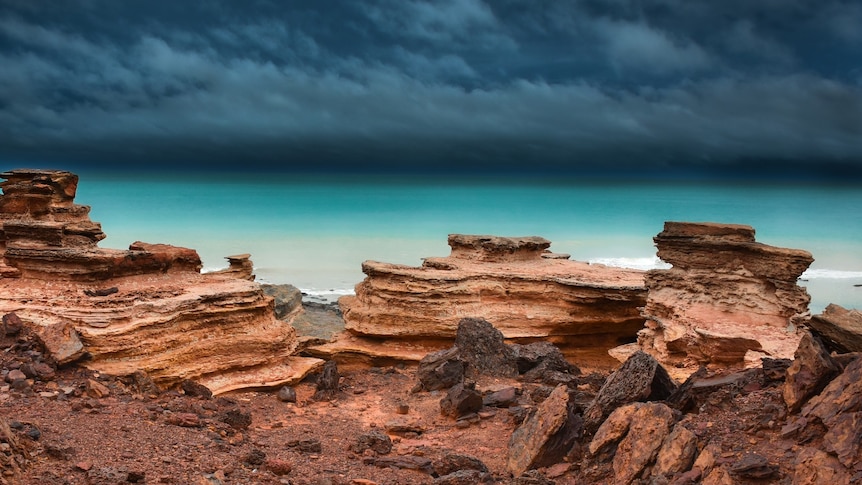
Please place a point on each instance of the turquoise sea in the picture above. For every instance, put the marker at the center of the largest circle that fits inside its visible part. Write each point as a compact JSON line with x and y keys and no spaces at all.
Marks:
{"x":315,"y":231}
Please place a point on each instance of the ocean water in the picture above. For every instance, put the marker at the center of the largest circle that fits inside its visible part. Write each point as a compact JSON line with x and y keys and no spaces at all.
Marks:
{"x":314,"y":232}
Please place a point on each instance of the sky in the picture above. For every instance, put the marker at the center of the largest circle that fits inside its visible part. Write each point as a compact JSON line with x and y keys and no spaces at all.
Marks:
{"x":663,"y":88}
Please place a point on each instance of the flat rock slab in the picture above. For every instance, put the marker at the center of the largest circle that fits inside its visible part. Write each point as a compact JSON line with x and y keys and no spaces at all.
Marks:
{"x":840,"y":328}
{"x":287,"y":373}
{"x":547,"y":436}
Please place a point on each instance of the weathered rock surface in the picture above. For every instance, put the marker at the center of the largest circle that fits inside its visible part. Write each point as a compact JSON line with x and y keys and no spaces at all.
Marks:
{"x":638,"y":434}
{"x":814,"y":467}
{"x":812,"y":369}
{"x":547,"y":436}
{"x":482,"y":346}
{"x":727,"y":299}
{"x":239,"y":266}
{"x":839,"y":409}
{"x":147,"y":308}
{"x":460,"y":400}
{"x":640,"y":378}
{"x":505,"y":281}
{"x":840,"y":328}
{"x":677,"y":452}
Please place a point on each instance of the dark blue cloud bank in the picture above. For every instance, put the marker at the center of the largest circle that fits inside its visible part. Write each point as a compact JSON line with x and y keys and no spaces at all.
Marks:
{"x":770,"y":88}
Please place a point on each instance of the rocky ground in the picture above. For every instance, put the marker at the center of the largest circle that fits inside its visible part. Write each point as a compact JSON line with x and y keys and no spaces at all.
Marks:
{"x":69,"y":425}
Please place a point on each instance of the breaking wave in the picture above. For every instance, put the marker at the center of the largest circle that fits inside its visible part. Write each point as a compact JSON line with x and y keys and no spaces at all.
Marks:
{"x":656,"y":263}
{"x":830,"y":274}
{"x":652,"y":262}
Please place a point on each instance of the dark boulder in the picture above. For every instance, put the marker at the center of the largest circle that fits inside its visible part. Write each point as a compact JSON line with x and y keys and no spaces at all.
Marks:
{"x":641,"y":378}
{"x":482,"y":347}
{"x":462,"y":399}
{"x":327,"y":382}
{"x":440,"y":370}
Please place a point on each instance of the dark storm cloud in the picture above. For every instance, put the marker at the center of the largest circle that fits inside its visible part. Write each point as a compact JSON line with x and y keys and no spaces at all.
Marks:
{"x":414,"y":85}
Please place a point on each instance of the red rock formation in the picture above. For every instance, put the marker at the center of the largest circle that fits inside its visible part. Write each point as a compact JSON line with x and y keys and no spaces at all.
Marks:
{"x":725,"y":297}
{"x":404,"y":312}
{"x":146,"y":308}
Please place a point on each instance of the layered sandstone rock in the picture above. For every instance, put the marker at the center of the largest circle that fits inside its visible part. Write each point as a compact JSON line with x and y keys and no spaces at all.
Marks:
{"x":727,"y":298}
{"x":514,"y":283}
{"x":147,"y":308}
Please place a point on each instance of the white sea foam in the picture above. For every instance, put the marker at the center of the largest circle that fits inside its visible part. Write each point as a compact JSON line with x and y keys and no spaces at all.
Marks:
{"x":830,"y":274}
{"x":327,"y":292}
{"x":652,"y":262}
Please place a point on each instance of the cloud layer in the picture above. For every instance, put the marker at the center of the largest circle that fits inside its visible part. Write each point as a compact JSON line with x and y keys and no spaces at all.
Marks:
{"x":662,"y":86}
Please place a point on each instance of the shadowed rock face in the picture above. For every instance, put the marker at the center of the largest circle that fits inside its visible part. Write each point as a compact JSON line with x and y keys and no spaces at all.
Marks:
{"x":146,"y":308}
{"x":514,"y":283}
{"x":726,"y":298}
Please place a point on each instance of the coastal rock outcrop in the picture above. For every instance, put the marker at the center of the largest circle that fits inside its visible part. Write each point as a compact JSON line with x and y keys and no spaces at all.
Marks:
{"x":147,"y":308}
{"x":726,"y":300}
{"x":515,"y":283}
{"x":840,"y":328}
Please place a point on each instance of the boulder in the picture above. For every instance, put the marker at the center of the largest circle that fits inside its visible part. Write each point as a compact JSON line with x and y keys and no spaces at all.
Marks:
{"x":453,"y":462}
{"x":839,"y":408}
{"x":58,"y":337}
{"x":547,"y":436}
{"x":482,"y":347}
{"x":146,"y":309}
{"x":840,"y":328}
{"x":503,"y":280}
{"x":677,"y":452}
{"x":374,"y":440}
{"x":328,"y":382}
{"x":640,"y":378}
{"x":288,"y":300}
{"x":727,"y":300}
{"x":810,"y":372}
{"x":462,"y":399}
{"x":440,"y":370}
{"x":815,"y":467}
{"x":634,"y":434}
{"x":753,"y":466}
{"x":540,"y":361}
{"x":11,"y":324}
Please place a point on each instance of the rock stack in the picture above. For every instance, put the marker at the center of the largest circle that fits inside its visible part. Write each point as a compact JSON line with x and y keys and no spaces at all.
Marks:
{"x":147,"y":308}
{"x":727,"y":299}
{"x":525,"y":291}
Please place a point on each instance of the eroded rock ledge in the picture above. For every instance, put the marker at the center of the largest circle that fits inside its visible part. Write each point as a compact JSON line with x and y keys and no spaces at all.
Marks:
{"x":727,"y":299}
{"x":146,"y":308}
{"x":515,"y":283}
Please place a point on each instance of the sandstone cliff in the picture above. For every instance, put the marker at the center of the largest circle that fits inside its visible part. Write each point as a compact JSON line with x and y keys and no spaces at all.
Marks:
{"x":514,"y":283}
{"x":147,"y":308}
{"x":727,"y":298}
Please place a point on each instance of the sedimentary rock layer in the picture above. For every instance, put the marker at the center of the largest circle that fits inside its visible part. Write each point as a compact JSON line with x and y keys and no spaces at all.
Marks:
{"x":146,"y":308}
{"x":510,"y":282}
{"x":725,"y":297}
